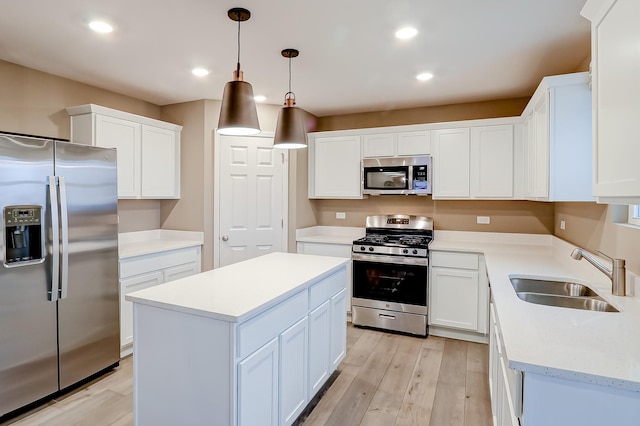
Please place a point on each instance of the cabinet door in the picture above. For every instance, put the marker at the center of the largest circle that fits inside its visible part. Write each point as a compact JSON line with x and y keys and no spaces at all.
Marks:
{"x":319,"y":344}
{"x":454,"y":298}
{"x":540,"y":148}
{"x":378,"y":145}
{"x":338,"y":346}
{"x":181,"y":271}
{"x":414,"y":143}
{"x":127,"y":286}
{"x":451,"y":163}
{"x":160,"y":174}
{"x":258,"y":387}
{"x":336,"y":171}
{"x":616,"y":98}
{"x":293,"y":371}
{"x":492,"y":162}
{"x":125,"y":137}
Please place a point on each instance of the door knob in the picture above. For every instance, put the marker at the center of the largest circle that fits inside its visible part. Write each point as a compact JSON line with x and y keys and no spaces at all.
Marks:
{"x":225,"y":238}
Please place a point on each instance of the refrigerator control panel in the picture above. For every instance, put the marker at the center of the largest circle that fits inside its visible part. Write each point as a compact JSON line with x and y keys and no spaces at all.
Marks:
{"x":22,"y":234}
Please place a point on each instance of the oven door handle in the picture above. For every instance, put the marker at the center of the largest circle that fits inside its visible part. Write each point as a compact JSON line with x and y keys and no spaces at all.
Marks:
{"x":398,"y":260}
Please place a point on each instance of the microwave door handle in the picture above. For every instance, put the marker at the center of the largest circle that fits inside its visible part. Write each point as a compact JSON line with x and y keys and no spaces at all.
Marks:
{"x":55,"y":239}
{"x":64,"y":222}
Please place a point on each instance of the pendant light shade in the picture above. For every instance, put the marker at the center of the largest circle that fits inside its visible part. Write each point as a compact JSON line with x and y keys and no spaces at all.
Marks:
{"x":290,"y":130}
{"x":238,"y":115}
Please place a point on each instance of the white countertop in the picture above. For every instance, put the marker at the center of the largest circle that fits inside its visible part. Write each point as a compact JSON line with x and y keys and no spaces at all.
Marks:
{"x":593,"y":347}
{"x":139,"y":243}
{"x":329,"y":234}
{"x":236,"y":292}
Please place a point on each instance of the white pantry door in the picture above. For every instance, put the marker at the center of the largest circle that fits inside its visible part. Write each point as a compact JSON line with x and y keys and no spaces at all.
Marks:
{"x":251,"y":202}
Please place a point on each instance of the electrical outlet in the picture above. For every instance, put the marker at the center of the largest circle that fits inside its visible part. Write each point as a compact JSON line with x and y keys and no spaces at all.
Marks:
{"x":341,"y":215}
{"x":562,"y":224}
{"x":483,"y":220}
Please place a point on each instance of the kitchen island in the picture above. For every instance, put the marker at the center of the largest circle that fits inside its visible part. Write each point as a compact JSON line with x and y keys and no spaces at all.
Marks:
{"x":246,"y":344}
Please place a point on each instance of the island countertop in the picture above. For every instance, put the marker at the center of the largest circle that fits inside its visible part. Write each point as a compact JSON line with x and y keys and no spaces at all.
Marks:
{"x":239,"y":291}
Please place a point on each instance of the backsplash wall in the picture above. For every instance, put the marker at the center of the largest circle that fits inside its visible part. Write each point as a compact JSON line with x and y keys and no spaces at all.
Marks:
{"x":506,"y":216}
{"x":591,"y":226}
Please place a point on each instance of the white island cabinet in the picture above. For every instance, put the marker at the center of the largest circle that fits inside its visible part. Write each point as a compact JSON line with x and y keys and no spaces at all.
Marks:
{"x":247,"y":344}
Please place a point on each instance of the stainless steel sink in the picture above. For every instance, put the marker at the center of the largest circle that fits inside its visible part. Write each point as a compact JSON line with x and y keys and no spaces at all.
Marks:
{"x":562,"y":288}
{"x":562,"y":294}
{"x":574,"y":302}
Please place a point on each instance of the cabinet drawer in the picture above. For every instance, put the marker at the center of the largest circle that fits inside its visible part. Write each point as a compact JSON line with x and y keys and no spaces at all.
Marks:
{"x":447,"y":259}
{"x":323,"y":290}
{"x":267,"y":325}
{"x":156,"y":261}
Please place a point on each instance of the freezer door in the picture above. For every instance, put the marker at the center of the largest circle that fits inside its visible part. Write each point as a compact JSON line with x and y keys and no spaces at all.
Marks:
{"x":88,"y":309}
{"x":28,"y":351}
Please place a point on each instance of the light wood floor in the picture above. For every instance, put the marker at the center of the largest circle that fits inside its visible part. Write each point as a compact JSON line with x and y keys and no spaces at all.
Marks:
{"x":386,"y":379}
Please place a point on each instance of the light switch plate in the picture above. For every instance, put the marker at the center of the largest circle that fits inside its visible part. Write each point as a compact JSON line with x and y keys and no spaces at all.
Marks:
{"x":483,"y":220}
{"x":341,"y":215}
{"x":563,"y":225}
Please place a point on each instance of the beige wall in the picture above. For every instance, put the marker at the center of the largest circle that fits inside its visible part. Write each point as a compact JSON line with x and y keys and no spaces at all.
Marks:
{"x":592,"y":227}
{"x":32,"y":102}
{"x":434,"y":114}
{"x":506,"y":216}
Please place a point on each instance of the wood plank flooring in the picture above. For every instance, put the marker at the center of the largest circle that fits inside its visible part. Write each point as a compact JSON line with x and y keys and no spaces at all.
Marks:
{"x":385,"y":380}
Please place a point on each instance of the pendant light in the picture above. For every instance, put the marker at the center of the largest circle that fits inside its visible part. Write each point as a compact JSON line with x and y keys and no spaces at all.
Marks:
{"x":290,"y":130}
{"x":238,"y":115}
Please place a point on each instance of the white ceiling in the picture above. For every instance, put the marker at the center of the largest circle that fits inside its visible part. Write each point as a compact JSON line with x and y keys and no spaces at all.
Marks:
{"x":349,"y":59}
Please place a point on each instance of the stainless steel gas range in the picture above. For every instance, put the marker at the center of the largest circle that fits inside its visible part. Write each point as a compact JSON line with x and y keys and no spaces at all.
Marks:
{"x":391,"y":273}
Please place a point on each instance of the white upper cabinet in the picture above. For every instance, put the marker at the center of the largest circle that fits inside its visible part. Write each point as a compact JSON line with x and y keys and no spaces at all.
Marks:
{"x":615,"y":62}
{"x":334,"y":166}
{"x":396,"y":144}
{"x":148,"y":150}
{"x":557,"y":140}
{"x":451,"y":152}
{"x":492,"y":162}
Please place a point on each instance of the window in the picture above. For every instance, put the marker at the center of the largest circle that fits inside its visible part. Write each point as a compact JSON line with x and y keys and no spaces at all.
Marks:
{"x":634,"y":215}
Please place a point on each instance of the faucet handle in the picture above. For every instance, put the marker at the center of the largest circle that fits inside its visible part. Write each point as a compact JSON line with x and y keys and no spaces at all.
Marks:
{"x":606,"y":255}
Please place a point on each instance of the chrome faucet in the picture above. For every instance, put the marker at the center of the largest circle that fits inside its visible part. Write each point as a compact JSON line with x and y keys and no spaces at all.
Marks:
{"x":616,"y":274}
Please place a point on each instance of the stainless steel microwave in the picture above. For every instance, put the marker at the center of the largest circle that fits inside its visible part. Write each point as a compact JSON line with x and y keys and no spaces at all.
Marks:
{"x":397,"y":175}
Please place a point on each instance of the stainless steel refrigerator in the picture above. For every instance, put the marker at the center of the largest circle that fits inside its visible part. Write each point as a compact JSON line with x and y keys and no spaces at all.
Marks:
{"x":59,"y":313}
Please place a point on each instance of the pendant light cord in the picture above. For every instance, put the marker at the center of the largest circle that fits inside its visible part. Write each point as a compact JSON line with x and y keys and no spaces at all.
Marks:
{"x":289,"y":73}
{"x":238,"y":63}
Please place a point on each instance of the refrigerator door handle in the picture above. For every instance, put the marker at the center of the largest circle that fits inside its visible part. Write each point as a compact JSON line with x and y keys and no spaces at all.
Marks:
{"x":64,"y":222}
{"x":55,"y":240}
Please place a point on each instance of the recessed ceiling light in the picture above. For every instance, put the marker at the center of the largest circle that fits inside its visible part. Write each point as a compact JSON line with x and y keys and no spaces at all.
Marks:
{"x":100,"y":27}
{"x":200,"y":72}
{"x":424,"y":76}
{"x":406,"y":33}
{"x":260,"y":98}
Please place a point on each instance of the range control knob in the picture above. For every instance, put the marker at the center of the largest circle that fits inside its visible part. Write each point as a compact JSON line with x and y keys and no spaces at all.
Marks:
{"x":415,"y":251}
{"x":362,"y":248}
{"x":405,"y":251}
{"x":370,"y":248}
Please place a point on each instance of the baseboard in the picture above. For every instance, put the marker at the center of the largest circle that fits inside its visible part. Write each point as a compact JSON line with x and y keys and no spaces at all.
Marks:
{"x":452,"y":333}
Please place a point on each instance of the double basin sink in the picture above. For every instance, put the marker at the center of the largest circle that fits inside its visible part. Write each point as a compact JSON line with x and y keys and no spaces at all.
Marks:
{"x":560,"y":293}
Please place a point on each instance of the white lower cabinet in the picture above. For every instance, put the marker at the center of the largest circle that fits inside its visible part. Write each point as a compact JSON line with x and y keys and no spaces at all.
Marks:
{"x":337,"y":346}
{"x":140,"y":272}
{"x":293,"y":371}
{"x":458,"y":296}
{"x":258,"y":387}
{"x":502,"y":390}
{"x":319,"y":340}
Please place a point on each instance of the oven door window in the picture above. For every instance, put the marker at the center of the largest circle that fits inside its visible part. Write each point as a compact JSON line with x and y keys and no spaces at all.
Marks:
{"x":390,"y":282}
{"x":386,"y":177}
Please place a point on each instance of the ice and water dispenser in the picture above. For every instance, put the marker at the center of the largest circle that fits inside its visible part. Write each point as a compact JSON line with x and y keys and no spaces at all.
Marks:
{"x":23,"y":234}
